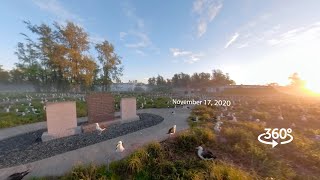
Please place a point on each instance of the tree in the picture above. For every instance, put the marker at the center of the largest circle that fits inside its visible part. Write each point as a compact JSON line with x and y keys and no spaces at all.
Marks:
{"x":296,"y":81}
{"x":200,"y":79}
{"x":111,"y":64}
{"x":160,"y":81}
{"x":29,"y":64}
{"x":152,"y":81}
{"x":17,"y":76}
{"x":78,"y":67}
{"x":4,"y":75}
{"x":181,"y":80}
{"x":273,"y":84}
{"x":57,"y":57}
{"x":219,"y":78}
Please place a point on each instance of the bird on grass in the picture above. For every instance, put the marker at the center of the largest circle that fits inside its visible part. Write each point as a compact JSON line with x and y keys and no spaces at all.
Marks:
{"x":217,"y":127}
{"x":119,"y":147}
{"x":196,"y":119}
{"x":280,"y":117}
{"x":205,"y":154}
{"x":99,"y":129}
{"x":303,"y":118}
{"x":172,"y":130}
{"x":18,"y":176}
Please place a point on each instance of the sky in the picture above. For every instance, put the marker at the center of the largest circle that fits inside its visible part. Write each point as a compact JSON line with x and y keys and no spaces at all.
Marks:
{"x":256,"y":42}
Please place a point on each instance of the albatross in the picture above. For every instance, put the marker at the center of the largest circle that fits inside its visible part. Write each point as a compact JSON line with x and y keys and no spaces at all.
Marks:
{"x":119,"y":147}
{"x":172,"y":130}
{"x":205,"y":154}
{"x":196,"y":119}
{"x":99,"y":129}
{"x":18,"y":176}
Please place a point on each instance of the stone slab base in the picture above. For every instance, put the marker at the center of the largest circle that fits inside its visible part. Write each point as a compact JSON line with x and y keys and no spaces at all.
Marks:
{"x":47,"y":137}
{"x":136,"y":118}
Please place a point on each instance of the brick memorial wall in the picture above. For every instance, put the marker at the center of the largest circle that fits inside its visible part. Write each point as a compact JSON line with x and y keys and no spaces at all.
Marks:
{"x":100,"y":107}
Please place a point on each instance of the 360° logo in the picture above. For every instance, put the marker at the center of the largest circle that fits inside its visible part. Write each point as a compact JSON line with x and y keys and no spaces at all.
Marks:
{"x":275,"y":134}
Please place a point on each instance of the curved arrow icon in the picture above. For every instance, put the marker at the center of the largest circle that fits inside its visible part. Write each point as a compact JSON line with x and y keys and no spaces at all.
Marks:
{"x":286,"y":142}
{"x":273,"y":143}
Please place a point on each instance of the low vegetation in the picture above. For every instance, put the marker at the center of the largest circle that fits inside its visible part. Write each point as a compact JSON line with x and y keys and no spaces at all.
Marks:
{"x":240,"y":154}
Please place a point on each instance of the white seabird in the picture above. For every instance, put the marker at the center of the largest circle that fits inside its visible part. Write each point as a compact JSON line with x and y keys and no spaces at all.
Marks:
{"x":217,"y":127}
{"x":172,"y":130}
{"x":280,"y":118}
{"x":303,"y":118}
{"x":99,"y":129}
{"x":234,"y":118}
{"x":205,"y":154}
{"x":119,"y":147}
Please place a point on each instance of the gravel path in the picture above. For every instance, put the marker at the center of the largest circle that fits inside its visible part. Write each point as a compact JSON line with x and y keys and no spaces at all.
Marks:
{"x":26,"y":148}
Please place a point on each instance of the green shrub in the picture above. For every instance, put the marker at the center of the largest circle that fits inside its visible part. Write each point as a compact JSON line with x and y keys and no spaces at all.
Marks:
{"x":223,"y":170}
{"x":91,"y":172}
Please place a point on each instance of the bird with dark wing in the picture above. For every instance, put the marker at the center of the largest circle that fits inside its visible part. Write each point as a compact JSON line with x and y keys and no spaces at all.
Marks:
{"x":18,"y":176}
{"x":205,"y":154}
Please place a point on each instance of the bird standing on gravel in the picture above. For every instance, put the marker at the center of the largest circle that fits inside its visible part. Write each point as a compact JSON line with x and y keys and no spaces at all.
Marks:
{"x":18,"y":176}
{"x":99,"y":129}
{"x":172,"y":130}
{"x":120,"y":147}
{"x":205,"y":154}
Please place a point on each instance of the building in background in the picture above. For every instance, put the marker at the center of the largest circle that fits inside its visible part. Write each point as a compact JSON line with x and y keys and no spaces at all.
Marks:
{"x":128,"y":87}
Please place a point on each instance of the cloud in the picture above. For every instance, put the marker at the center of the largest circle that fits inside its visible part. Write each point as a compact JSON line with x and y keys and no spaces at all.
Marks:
{"x":56,"y":8}
{"x":243,"y":45}
{"x":202,"y":28}
{"x":177,"y":52}
{"x":254,"y":31}
{"x":300,"y":34}
{"x":232,"y":40}
{"x":137,"y":37}
{"x":95,"y":39}
{"x":122,"y":35}
{"x":130,"y":12}
{"x":189,"y":56}
{"x":140,"y":52}
{"x":206,"y":11}
{"x":143,"y":40}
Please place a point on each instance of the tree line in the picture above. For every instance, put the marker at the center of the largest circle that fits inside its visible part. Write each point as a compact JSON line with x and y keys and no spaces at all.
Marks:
{"x":58,"y":58}
{"x":196,"y":80}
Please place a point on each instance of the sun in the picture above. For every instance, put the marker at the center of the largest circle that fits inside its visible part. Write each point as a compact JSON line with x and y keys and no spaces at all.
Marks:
{"x":313,"y":86}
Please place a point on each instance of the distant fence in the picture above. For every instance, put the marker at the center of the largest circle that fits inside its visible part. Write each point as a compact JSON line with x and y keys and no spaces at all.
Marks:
{"x":16,"y":88}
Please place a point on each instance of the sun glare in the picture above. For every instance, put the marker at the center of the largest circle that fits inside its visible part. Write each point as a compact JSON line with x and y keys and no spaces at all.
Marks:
{"x":313,"y":86}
